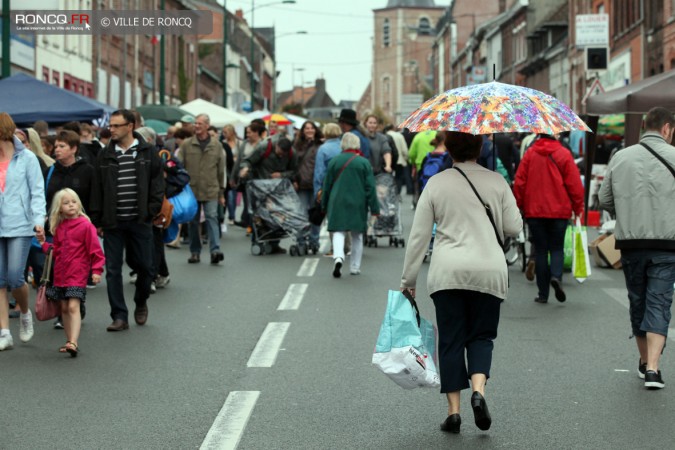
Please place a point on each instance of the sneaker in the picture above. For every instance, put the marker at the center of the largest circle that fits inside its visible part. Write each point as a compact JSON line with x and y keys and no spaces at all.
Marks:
{"x":217,"y":257}
{"x":540,"y":300}
{"x":58,"y":325}
{"x":6,"y":342}
{"x":153,"y":287}
{"x":14,"y":314}
{"x":337,"y":268}
{"x":557,"y":287}
{"x":161,"y":282}
{"x":642,"y":369}
{"x":132,"y":278}
{"x":529,"y":271}
{"x":91,"y":286}
{"x":354,"y":272}
{"x":653,"y":380}
{"x":26,"y":327}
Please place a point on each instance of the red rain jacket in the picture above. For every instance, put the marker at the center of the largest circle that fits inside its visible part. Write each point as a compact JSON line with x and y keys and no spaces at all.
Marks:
{"x":76,"y":252}
{"x":548,"y":183}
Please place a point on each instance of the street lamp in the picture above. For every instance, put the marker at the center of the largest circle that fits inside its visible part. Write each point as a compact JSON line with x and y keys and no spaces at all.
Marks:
{"x":253,"y":8}
{"x":274,"y":85}
{"x":302,"y":84}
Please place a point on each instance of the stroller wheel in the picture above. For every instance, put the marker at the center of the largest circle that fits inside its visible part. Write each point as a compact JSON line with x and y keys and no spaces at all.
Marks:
{"x":402,"y":241}
{"x":392,"y":241}
{"x":293,"y":250}
{"x":256,"y":250}
{"x":302,"y":250}
{"x":267,"y":249}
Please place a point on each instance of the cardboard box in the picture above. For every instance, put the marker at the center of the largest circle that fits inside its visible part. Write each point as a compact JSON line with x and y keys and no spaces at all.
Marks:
{"x":603,"y":252}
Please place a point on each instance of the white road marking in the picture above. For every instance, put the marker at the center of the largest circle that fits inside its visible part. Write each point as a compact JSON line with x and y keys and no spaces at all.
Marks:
{"x":227,"y":429}
{"x":266,"y":350}
{"x":621,"y":296}
{"x":621,"y":370}
{"x":308,"y":267}
{"x":293,"y":297}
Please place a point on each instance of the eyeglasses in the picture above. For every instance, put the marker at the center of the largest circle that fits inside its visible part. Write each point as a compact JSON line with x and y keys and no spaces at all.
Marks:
{"x":116,"y":125}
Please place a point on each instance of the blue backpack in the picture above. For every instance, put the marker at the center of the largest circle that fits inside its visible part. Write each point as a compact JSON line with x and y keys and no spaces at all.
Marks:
{"x":433,"y":163}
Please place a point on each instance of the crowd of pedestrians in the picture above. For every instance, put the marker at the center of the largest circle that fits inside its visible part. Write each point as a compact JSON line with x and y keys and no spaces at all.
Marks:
{"x":92,"y":197}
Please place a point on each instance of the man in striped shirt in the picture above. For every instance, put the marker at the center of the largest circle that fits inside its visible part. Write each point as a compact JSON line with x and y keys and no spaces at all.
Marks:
{"x":128,"y":193}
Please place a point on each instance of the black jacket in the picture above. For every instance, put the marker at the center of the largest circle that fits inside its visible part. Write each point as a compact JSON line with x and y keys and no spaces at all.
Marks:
{"x":79,"y":177}
{"x":149,"y":179}
{"x":89,"y":151}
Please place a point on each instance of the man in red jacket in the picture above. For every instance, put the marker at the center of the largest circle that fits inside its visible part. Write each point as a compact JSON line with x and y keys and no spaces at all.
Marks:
{"x":548,"y":189}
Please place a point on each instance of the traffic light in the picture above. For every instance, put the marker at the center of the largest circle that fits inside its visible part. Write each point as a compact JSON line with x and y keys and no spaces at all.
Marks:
{"x":597,"y":58}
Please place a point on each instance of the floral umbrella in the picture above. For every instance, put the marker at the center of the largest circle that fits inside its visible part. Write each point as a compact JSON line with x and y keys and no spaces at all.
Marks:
{"x":280,"y":119}
{"x":494,"y":108}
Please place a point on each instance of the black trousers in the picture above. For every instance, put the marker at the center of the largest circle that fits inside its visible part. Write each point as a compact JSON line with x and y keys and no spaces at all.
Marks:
{"x":137,"y":239}
{"x":467,"y":325}
{"x":159,"y":267}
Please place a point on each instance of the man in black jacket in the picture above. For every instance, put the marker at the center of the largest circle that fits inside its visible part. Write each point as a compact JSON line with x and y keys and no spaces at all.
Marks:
{"x":128,"y":193}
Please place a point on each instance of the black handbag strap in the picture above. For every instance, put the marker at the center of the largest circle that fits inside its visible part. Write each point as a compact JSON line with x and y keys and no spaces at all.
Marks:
{"x":488,"y":211}
{"x":406,"y":293}
{"x":659,"y":157}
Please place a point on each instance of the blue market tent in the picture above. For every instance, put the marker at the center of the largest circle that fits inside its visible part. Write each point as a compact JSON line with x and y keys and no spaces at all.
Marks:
{"x":28,"y":100}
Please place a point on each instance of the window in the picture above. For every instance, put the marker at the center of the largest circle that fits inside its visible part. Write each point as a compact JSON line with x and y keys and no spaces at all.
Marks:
{"x":385,"y":33}
{"x":56,"y":78}
{"x":629,"y":14}
{"x":424,"y":27}
{"x":45,"y":74}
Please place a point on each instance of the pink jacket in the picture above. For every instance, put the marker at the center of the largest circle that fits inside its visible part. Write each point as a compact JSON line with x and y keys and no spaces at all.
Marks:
{"x":76,"y":252}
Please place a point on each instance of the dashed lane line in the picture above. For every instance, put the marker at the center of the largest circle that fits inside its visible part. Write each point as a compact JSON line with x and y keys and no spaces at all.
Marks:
{"x":621,"y":296}
{"x":227,"y":429}
{"x":293,"y":297}
{"x":266,"y":350}
{"x":308,"y":267}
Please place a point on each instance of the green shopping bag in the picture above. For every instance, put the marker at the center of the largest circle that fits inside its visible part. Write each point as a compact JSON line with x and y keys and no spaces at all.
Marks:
{"x":581,"y":262}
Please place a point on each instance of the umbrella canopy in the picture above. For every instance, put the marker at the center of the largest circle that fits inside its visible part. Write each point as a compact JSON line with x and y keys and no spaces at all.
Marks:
{"x":218,"y":115}
{"x":494,"y":108}
{"x":28,"y":100}
{"x":280,"y":119}
{"x":166,"y":113}
{"x":159,"y":126}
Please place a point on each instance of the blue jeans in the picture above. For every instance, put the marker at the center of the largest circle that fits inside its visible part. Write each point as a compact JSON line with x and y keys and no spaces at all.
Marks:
{"x":307,"y":201}
{"x":137,"y":240}
{"x":650,"y":275}
{"x":212,"y":228}
{"x":547,"y":236}
{"x":13,"y":257}
{"x":231,"y":203}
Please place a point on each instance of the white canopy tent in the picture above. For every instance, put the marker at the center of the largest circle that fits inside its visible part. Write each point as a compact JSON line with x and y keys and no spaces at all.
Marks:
{"x":219,"y":116}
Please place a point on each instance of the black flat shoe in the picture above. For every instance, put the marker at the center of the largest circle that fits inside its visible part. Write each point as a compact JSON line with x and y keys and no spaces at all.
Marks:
{"x":480,"y":411}
{"x":557,"y":287}
{"x":452,"y":424}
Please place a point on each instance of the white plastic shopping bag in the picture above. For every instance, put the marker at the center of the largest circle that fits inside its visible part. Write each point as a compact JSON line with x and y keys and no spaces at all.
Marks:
{"x":581,"y":261}
{"x":406,"y":346}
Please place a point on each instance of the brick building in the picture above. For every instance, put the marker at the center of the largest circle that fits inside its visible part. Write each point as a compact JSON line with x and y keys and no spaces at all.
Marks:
{"x":402,"y":65}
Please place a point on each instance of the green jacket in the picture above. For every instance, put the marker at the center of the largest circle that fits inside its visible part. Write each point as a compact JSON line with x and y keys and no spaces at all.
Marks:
{"x":420,"y":147}
{"x":206,"y":168}
{"x":348,"y":198}
{"x":262,"y":167}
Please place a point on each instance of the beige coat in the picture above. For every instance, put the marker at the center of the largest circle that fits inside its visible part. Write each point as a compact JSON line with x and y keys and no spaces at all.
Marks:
{"x":206,"y":168}
{"x":466,"y":253}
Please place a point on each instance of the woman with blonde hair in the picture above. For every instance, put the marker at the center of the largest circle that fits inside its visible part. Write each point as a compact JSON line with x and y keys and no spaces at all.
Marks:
{"x":22,"y":190}
{"x":36,"y":147}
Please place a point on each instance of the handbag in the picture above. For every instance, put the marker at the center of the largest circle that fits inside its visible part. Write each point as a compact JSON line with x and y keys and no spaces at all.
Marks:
{"x":184,"y":205}
{"x":406,"y":345}
{"x":581,"y":261}
{"x":316,"y":212}
{"x":163,"y":217}
{"x":46,"y":309}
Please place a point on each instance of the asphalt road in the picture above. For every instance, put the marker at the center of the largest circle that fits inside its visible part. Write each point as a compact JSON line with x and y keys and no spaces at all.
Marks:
{"x":564,"y":375}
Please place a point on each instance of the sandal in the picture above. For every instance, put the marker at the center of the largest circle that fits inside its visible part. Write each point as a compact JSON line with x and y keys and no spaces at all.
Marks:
{"x":71,"y":348}
{"x":64,"y":347}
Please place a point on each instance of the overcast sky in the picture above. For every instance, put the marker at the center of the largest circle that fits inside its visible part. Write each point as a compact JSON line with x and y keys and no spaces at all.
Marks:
{"x":337,"y":44}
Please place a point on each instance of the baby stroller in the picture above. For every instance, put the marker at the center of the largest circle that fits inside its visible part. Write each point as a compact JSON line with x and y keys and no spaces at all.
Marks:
{"x":388,"y":224}
{"x":276,"y":213}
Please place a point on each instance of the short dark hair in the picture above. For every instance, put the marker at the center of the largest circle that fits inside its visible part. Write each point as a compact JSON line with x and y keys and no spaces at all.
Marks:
{"x":104,"y":133}
{"x":440,"y":137}
{"x":212,"y":128}
{"x":182,"y":133}
{"x":69,"y":137}
{"x":127,"y":115}
{"x":285,"y":145}
{"x":72,"y":126}
{"x":256,"y":127}
{"x":463,"y":146}
{"x":657,"y":117}
{"x":259,"y":122}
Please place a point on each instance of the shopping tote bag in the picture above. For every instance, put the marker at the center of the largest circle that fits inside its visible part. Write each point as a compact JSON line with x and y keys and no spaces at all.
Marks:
{"x":581,"y":263}
{"x":184,"y":205}
{"x":406,"y":346}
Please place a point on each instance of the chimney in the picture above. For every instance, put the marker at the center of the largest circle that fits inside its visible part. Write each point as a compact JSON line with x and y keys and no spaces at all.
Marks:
{"x":320,"y":85}
{"x":239,"y":13}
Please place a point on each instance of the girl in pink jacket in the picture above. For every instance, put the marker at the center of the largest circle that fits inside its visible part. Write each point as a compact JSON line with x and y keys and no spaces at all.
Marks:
{"x":76,"y":252}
